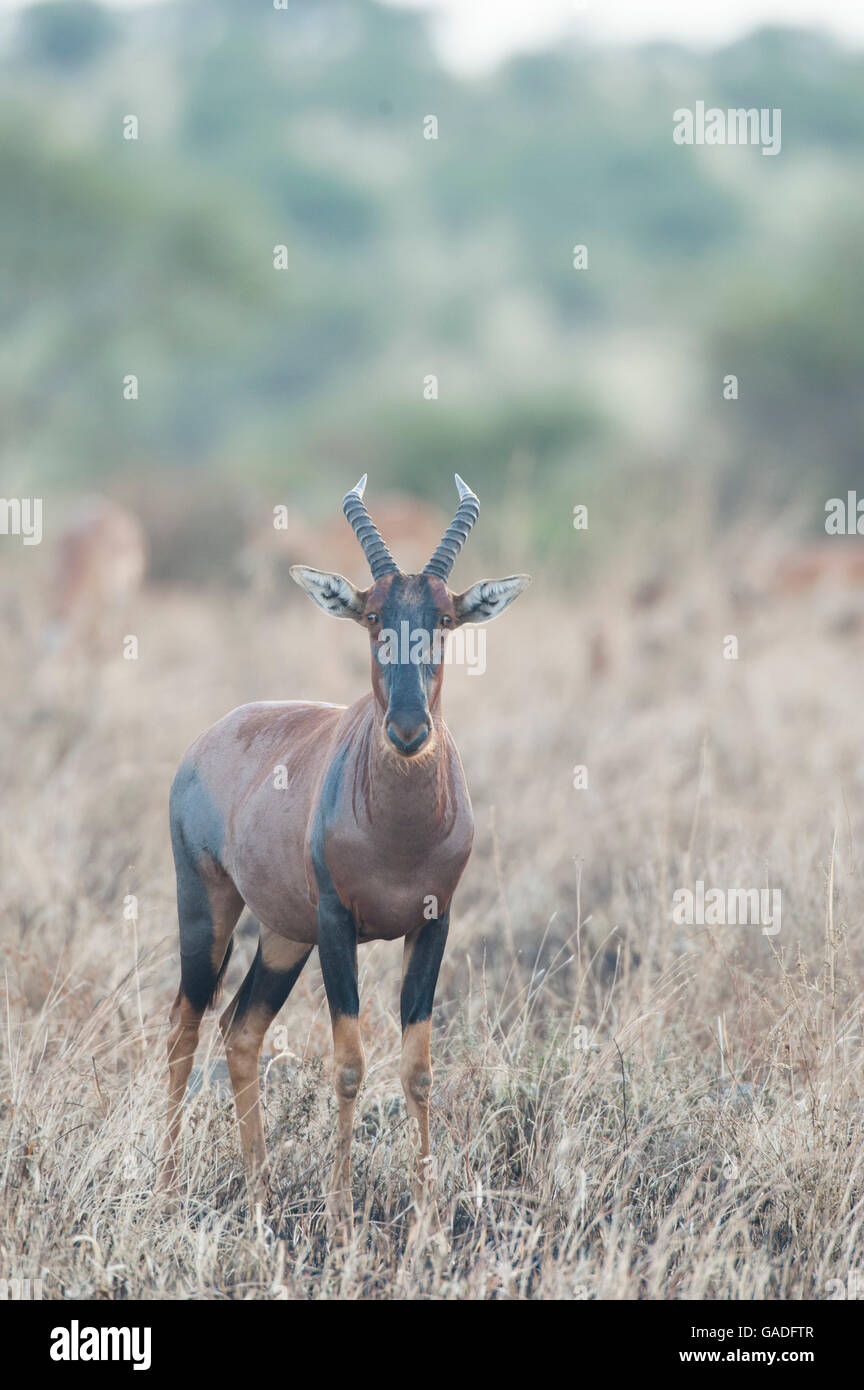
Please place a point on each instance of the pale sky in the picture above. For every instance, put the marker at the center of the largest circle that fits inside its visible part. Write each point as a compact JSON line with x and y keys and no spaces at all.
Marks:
{"x":475,"y":34}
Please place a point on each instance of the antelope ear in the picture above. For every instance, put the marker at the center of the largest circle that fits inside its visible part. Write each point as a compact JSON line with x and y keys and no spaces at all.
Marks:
{"x":332,"y":592}
{"x":488,"y":598}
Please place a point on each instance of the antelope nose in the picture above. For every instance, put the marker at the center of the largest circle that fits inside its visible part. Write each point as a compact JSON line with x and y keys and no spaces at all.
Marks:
{"x":408,"y":740}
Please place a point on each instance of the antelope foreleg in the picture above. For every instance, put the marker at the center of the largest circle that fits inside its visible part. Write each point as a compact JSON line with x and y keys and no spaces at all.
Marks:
{"x":337,"y":949}
{"x":424,"y":949}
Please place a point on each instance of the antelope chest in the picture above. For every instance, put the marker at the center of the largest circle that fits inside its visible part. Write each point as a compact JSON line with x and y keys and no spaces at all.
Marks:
{"x":392,"y":884}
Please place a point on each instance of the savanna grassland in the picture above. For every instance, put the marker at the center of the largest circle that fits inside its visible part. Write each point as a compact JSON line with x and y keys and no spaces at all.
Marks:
{"x":624,"y":1108}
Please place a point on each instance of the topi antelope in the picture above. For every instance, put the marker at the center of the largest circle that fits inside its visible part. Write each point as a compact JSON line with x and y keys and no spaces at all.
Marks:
{"x":367,"y":841}
{"x":100,"y":558}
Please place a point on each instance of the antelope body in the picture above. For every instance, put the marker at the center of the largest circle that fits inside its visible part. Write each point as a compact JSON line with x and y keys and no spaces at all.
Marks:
{"x":826,"y":565}
{"x":363,"y":837}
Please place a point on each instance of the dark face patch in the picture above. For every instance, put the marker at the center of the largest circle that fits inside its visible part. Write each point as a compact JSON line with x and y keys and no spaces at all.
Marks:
{"x":408,"y":617}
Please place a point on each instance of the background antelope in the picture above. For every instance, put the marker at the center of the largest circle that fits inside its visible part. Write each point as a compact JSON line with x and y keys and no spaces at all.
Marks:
{"x":373,"y":827}
{"x":99,"y":563}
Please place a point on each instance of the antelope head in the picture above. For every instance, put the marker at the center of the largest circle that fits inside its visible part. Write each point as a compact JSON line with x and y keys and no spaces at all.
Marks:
{"x":408,"y":616}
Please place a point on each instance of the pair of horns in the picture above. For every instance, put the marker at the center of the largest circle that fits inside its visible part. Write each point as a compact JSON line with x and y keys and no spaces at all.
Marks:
{"x":381,"y":562}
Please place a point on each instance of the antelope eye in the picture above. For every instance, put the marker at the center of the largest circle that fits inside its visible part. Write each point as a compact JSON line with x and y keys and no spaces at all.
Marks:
{"x":446,"y":620}
{"x":372,"y":619}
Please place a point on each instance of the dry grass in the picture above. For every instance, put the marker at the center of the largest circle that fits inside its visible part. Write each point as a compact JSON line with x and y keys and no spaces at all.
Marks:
{"x":593,"y":1138}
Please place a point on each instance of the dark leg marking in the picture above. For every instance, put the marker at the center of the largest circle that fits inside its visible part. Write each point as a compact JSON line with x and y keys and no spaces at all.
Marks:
{"x":208,"y":906}
{"x":337,"y":951}
{"x":197,"y":833}
{"x":263,"y":989}
{"x":337,"y":931}
{"x":421,"y":973}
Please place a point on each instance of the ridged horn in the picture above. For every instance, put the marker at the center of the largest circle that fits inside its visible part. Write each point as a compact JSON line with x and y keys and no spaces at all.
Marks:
{"x":381,"y":562}
{"x":457,"y":532}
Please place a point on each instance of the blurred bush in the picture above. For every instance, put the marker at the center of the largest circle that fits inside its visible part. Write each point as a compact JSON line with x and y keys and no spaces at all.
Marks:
{"x":408,"y":257}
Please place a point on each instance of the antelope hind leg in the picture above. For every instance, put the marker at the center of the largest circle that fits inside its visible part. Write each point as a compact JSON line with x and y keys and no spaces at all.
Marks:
{"x":271,"y":977}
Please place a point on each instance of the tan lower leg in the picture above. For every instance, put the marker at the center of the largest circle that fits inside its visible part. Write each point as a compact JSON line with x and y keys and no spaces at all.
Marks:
{"x":244,"y":1027}
{"x":243,"y":1043}
{"x":182,"y":1042}
{"x":416,"y":1076}
{"x":349,"y":1069}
